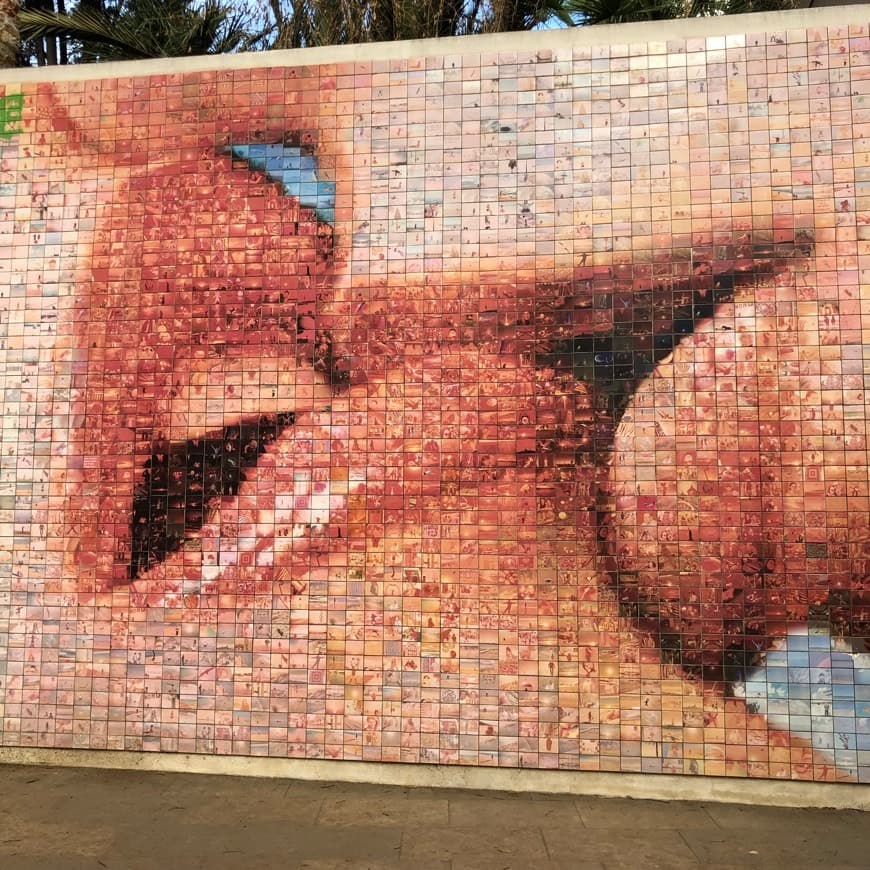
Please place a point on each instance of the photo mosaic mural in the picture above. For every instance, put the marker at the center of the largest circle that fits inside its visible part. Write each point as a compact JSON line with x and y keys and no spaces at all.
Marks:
{"x":503,"y":408}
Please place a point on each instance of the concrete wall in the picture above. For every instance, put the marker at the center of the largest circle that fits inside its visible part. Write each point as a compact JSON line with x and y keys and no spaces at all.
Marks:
{"x":488,"y":403}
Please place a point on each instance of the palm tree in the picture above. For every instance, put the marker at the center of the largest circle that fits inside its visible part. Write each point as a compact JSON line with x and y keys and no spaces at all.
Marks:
{"x":331,"y":22}
{"x":622,"y":11}
{"x":335,"y":22}
{"x":136,"y":29}
{"x":130,"y":29}
{"x":9,"y":38}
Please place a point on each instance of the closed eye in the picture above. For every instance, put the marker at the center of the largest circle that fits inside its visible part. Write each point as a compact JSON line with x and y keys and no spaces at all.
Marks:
{"x":659,"y":314}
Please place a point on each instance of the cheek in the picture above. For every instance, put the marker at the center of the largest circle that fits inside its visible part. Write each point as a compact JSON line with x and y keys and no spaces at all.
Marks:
{"x":734,"y":481}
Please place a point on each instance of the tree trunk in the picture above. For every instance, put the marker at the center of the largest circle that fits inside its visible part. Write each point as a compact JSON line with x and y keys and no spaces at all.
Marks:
{"x":9,"y":33}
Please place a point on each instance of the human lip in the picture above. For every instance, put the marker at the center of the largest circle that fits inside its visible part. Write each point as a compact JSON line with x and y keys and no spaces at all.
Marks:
{"x":227,"y":391}
{"x":290,"y":507}
{"x":288,"y":514}
{"x":182,"y":480}
{"x":208,"y":452}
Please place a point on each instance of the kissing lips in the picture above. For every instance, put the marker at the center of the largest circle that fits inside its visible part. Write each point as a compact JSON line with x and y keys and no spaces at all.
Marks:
{"x":181,"y":481}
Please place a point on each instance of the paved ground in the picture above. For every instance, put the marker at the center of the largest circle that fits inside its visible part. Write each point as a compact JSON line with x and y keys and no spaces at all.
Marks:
{"x":122,"y":820}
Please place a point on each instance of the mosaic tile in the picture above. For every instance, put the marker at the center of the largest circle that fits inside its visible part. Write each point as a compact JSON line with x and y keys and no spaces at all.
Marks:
{"x":500,"y":409}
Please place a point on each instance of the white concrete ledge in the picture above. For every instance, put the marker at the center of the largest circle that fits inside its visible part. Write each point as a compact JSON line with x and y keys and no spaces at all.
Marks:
{"x":647,"y":786}
{"x":597,"y":35}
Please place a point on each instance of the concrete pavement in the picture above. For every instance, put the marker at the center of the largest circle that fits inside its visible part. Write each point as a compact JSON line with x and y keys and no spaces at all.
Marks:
{"x":87,"y":819}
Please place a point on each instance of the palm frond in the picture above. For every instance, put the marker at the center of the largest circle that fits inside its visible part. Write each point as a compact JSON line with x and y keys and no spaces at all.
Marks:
{"x":112,"y":38}
{"x":141,"y":29}
{"x":622,"y":11}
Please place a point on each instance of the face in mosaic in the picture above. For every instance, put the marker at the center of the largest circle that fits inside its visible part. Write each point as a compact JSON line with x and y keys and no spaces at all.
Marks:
{"x":500,"y":409}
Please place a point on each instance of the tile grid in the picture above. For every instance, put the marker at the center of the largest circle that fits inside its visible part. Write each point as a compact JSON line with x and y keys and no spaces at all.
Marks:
{"x":486,"y":409}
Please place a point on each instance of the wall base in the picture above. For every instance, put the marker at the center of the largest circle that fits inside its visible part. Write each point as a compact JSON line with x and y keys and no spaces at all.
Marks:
{"x":759,"y":792}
